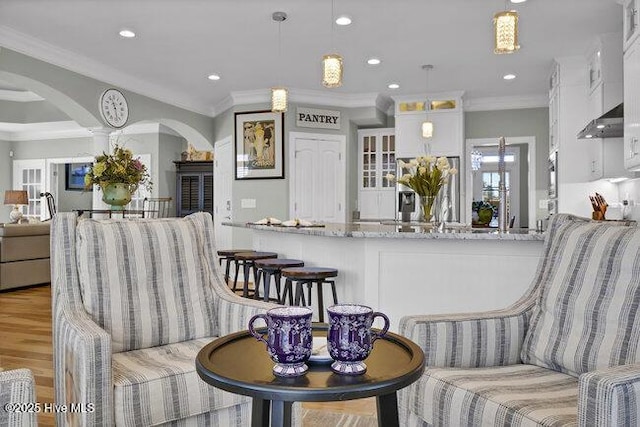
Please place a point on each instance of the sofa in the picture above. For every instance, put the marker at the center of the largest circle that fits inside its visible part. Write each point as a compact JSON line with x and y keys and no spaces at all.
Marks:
{"x":17,"y":388}
{"x":24,"y":255}
{"x":134,"y":301}
{"x":566,"y":354}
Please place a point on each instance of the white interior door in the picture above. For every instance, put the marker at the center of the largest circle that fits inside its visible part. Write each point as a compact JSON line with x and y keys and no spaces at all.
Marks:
{"x":222,"y":191}
{"x":318,"y":177}
{"x":29,"y":175}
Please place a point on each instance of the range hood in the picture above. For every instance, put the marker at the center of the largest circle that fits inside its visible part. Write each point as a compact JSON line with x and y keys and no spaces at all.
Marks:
{"x":609,"y":125}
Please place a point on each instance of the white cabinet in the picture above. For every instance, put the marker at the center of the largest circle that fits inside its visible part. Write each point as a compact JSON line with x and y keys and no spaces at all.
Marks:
{"x":632,"y":107}
{"x":630,"y":25}
{"x":444,"y":110}
{"x":446,"y":140}
{"x":376,"y":158}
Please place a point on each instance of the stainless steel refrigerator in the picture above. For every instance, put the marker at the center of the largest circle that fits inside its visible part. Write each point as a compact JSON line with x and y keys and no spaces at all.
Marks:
{"x":408,"y":204}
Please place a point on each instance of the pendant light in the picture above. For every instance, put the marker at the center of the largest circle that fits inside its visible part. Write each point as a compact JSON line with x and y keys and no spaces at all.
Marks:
{"x":279,"y":93}
{"x":427,"y":126}
{"x":332,"y":66}
{"x":505,"y":31}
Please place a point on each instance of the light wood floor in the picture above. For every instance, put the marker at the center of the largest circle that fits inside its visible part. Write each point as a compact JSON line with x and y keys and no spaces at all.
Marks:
{"x":25,"y":328}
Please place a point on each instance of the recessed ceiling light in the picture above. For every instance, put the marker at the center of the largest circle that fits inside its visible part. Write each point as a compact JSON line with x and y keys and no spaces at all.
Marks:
{"x":588,"y":136}
{"x":509,"y":76}
{"x":393,"y":86}
{"x":343,"y":20}
{"x":518,"y":1}
{"x":127,"y":34}
{"x":600,"y":126}
{"x":213,"y":77}
{"x":373,"y":61}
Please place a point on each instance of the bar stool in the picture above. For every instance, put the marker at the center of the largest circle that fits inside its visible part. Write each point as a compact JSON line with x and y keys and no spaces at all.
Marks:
{"x":273,"y":268}
{"x":248,"y":259}
{"x":228,"y":256}
{"x":309,"y":276}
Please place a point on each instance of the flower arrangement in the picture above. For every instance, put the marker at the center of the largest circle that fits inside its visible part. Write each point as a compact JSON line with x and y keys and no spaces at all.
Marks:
{"x":425,"y":175}
{"x":119,"y":167}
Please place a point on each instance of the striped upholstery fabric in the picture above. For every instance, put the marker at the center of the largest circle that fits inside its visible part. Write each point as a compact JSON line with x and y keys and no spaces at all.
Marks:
{"x":87,"y":369}
{"x":586,"y":285}
{"x":17,"y":386}
{"x":166,"y":378}
{"x":586,"y":316}
{"x":516,"y":395}
{"x":144,"y":281}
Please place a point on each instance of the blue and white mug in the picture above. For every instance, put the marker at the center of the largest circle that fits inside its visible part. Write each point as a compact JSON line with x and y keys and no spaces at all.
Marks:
{"x":350,"y":338}
{"x":289,"y":339}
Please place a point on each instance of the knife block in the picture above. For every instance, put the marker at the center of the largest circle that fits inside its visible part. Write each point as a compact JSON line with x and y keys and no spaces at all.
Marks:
{"x":597,"y":216}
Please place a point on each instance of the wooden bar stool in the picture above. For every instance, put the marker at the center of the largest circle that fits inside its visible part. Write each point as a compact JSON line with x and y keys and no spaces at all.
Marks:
{"x":228,"y":256}
{"x":248,"y":259}
{"x":309,"y":276}
{"x":273,"y":268}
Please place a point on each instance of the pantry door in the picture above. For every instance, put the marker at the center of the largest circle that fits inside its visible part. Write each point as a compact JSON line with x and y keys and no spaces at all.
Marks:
{"x":317,"y":177}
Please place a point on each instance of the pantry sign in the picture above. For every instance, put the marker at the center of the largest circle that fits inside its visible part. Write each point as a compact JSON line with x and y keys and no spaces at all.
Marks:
{"x":321,"y":119}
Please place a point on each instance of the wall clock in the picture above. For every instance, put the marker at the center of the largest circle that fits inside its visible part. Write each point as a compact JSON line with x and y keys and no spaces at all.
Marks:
{"x":114,"y":108}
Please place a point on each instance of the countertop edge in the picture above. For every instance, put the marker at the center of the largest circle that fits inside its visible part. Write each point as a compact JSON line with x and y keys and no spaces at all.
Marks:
{"x":374,"y":231}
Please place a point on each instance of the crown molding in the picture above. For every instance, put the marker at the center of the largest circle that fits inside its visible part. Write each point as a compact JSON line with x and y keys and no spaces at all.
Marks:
{"x":506,"y":103}
{"x":19,"y":96}
{"x":305,"y":96}
{"x":70,"y":129}
{"x":39,"y":49}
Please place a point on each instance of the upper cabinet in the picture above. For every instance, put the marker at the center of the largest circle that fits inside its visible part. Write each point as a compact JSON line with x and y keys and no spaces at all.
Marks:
{"x":444,"y":110}
{"x":632,"y":106}
{"x":630,"y":26}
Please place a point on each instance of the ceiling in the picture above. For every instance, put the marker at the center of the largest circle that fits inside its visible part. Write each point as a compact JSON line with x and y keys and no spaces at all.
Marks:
{"x":179,"y":43}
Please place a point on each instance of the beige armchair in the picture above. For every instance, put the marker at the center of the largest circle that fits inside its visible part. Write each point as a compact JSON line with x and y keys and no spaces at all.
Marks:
{"x":133,"y":303}
{"x":24,"y":255}
{"x":17,"y":399}
{"x":566,"y":354}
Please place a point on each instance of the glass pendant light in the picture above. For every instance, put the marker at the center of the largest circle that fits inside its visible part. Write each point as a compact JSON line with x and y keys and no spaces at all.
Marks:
{"x":332,"y":66}
{"x":505,"y":31}
{"x":427,"y":126}
{"x":279,"y":93}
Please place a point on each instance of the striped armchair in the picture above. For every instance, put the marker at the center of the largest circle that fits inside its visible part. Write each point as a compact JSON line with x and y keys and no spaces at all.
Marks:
{"x":133,"y":302}
{"x":17,"y":387}
{"x":566,"y":354}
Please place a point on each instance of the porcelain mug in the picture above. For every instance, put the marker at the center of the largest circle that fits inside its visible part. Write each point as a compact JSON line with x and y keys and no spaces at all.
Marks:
{"x":350,"y":338}
{"x":289,"y":339}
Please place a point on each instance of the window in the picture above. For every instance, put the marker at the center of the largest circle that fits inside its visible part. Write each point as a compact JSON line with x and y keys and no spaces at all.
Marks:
{"x":491,"y":189}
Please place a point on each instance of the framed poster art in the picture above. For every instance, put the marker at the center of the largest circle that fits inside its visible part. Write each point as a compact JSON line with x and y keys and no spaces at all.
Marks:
{"x":259,"y":145}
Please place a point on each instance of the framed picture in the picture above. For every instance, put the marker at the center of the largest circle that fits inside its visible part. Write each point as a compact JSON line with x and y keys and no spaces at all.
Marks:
{"x":259,"y":145}
{"x":74,"y":176}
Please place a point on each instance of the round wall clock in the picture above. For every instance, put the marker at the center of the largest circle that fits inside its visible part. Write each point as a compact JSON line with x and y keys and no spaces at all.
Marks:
{"x":114,"y":108}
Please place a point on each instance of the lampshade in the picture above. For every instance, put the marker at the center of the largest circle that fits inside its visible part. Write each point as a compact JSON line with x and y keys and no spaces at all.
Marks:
{"x":332,"y":70}
{"x":279,"y":99}
{"x":505,"y":27}
{"x":427,"y":129}
{"x":16,"y":197}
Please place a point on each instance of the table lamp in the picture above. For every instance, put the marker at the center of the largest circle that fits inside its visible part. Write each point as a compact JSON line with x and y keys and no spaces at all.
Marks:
{"x":15,"y":198}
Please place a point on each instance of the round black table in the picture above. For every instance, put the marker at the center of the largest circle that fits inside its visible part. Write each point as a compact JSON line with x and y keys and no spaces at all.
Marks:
{"x":239,"y":363}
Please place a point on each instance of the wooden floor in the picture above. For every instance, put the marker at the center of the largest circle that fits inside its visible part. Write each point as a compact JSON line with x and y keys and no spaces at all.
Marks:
{"x":25,"y":328}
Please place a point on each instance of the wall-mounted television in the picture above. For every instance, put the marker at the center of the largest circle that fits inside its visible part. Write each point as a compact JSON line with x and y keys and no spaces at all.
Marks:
{"x":74,"y":176}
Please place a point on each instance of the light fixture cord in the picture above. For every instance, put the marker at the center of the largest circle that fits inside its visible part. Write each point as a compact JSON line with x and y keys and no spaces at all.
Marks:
{"x":332,"y":14}
{"x":279,"y":53}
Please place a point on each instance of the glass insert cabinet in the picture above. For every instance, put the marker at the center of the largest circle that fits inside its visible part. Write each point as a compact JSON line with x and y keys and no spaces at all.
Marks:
{"x":376,"y":159}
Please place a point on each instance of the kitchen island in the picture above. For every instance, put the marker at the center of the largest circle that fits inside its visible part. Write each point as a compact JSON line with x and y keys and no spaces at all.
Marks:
{"x":412,"y":269}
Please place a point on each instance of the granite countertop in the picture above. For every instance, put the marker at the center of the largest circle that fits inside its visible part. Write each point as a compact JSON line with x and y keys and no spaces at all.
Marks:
{"x":399,"y":231}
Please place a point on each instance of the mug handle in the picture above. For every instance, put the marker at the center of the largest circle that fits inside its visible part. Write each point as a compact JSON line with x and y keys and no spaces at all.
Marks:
{"x":252,"y":330}
{"x":385,"y":329}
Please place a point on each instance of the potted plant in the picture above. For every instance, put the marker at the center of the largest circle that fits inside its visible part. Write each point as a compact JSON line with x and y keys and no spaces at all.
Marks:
{"x":482,"y":213}
{"x":118,"y":175}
